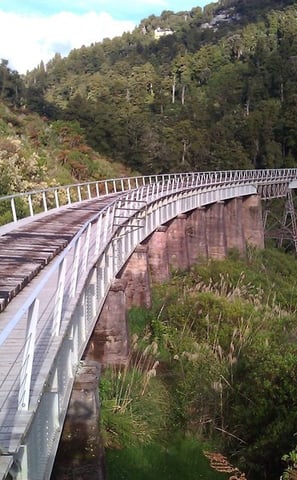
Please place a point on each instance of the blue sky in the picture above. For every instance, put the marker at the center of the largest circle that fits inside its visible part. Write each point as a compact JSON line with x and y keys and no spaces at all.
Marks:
{"x":34,"y":30}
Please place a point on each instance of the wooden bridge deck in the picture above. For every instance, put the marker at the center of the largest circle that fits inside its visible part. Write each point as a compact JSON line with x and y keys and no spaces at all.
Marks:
{"x":27,"y":249}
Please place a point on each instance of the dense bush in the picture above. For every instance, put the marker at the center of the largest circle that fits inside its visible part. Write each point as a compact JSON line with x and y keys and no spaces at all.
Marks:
{"x":226,"y":346}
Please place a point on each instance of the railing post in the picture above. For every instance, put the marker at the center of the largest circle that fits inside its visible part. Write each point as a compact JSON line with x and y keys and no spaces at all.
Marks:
{"x":98,"y":234}
{"x":68,"y":196}
{"x":79,"y":193}
{"x":75,"y":268}
{"x":59,"y":298}
{"x":44,"y":201}
{"x":13,"y":209}
{"x":30,"y":206}
{"x":26,"y":371}
{"x":86,"y":248}
{"x":56,"y":198}
{"x":89,"y":191}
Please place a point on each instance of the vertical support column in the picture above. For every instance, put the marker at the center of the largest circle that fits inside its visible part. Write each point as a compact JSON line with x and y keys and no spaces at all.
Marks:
{"x":196,"y":236}
{"x":177,"y":248}
{"x":234,"y":225}
{"x":252,"y":221}
{"x":136,"y":275}
{"x":215,"y":231}
{"x":158,"y":256}
{"x":109,"y":341}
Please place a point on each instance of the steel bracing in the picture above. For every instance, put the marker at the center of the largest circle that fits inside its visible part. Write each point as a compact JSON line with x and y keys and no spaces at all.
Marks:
{"x":44,"y":330}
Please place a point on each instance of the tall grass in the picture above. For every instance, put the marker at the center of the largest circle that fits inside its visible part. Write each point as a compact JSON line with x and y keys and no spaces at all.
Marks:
{"x":134,"y":403}
{"x":185,"y":371}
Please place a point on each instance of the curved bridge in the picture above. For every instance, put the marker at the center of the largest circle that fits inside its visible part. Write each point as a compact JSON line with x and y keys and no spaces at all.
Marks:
{"x":56,"y":266}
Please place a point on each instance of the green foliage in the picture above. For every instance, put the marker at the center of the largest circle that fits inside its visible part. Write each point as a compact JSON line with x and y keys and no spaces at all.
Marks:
{"x":36,"y":153}
{"x":134,"y":403}
{"x":137,"y":424}
{"x":181,"y":458}
{"x":265,"y":415}
{"x":226,"y":339}
{"x":290,"y":460}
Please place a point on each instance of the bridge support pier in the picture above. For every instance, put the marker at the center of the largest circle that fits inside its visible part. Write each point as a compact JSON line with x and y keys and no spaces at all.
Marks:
{"x":234,"y":225}
{"x":196,"y":236}
{"x":252,"y":221}
{"x":109,"y":341}
{"x":136,"y":275}
{"x":158,"y":256}
{"x":215,"y":231}
{"x":177,"y":248}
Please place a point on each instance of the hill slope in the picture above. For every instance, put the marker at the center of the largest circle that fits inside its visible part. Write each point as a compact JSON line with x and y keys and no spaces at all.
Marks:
{"x":36,"y":153}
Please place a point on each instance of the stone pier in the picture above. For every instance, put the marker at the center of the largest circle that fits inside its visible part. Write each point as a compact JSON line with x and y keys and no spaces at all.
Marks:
{"x":196,"y":236}
{"x":136,"y":275}
{"x":109,"y":342}
{"x":215,"y":231}
{"x":234,"y":225}
{"x":252,"y":221}
{"x":158,"y":256}
{"x":177,"y":248}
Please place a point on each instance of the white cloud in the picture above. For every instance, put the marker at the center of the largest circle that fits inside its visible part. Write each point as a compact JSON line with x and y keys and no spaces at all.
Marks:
{"x":25,"y":40}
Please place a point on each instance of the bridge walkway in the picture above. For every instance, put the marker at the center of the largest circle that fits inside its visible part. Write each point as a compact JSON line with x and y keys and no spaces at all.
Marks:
{"x":27,"y":249}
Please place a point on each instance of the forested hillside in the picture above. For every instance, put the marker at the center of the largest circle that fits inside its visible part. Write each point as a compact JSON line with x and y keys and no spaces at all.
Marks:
{"x":217,"y":91}
{"x":37,"y":153}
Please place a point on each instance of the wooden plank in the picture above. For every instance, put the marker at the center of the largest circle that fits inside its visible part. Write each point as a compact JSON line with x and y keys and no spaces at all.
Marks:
{"x":27,"y":249}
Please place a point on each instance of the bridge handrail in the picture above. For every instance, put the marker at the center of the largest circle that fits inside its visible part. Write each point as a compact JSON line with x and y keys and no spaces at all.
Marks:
{"x":28,"y":204}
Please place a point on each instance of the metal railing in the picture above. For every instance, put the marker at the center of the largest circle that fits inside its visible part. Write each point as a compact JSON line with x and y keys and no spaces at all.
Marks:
{"x":55,"y":321}
{"x":31,"y":203}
